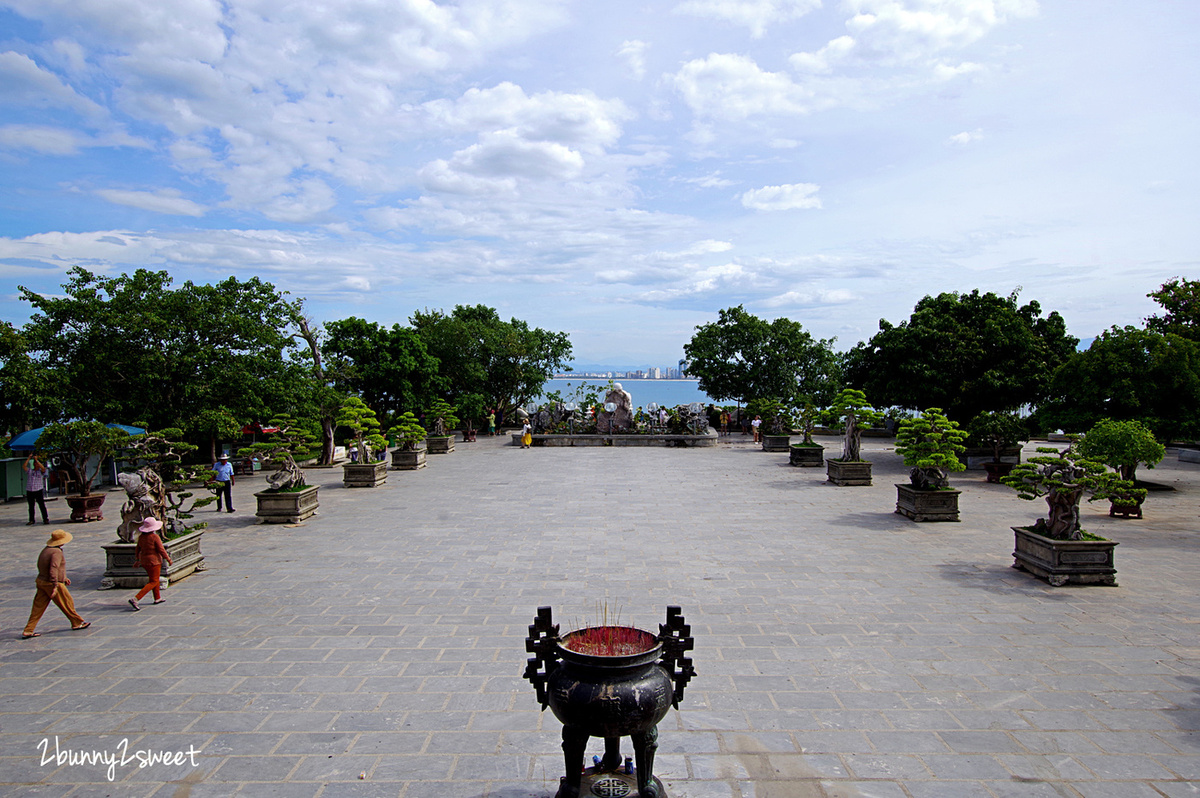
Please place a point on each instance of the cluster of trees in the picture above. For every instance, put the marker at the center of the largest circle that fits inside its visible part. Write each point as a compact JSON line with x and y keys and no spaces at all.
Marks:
{"x":209,"y":359}
{"x":971,"y":353}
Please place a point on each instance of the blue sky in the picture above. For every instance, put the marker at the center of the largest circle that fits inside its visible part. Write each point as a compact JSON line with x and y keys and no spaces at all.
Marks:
{"x":616,"y":170}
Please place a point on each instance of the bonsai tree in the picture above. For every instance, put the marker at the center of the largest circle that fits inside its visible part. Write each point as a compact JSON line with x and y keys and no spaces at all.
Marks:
{"x":1122,"y":446}
{"x":471,"y":405}
{"x":289,"y":444}
{"x":444,"y":420}
{"x":407,"y":431}
{"x":996,"y":431}
{"x":774,"y":413}
{"x":930,"y":444}
{"x":78,"y":442}
{"x":1061,"y":478}
{"x":851,"y":408}
{"x":804,"y":418}
{"x":364,"y":425}
{"x":158,"y":489}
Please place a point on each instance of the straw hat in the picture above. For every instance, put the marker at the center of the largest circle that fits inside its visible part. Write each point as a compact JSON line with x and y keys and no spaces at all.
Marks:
{"x":151,"y":524}
{"x":59,"y":537}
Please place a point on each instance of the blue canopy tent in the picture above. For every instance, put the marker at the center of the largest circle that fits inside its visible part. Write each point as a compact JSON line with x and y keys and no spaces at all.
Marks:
{"x":26,"y":441}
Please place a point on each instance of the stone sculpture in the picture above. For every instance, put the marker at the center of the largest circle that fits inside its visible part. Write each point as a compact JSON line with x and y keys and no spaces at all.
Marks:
{"x":147,"y":498}
{"x":620,"y":419}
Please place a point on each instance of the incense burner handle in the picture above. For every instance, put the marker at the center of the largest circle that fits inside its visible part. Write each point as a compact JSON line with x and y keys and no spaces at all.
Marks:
{"x":542,"y":642}
{"x":676,"y":638}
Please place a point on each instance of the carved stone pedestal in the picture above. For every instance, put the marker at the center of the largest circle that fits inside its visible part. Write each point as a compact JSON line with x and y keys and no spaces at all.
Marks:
{"x":1062,"y":561}
{"x":848,"y":472}
{"x":927,"y":505}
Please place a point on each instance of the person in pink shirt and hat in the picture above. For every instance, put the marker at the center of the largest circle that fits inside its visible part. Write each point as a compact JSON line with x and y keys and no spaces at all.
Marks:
{"x":149,"y":554}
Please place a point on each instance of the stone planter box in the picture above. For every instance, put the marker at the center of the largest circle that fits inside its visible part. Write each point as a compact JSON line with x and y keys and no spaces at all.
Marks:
{"x":848,"y":472}
{"x":364,"y":475}
{"x":927,"y":505}
{"x":806,"y":456}
{"x":405,"y":460}
{"x":976,"y":459}
{"x":1125,"y":510}
{"x":776,"y":443}
{"x":87,"y":508}
{"x":443,"y":445}
{"x":995,"y":471}
{"x":119,"y":570}
{"x":1062,"y":561}
{"x":287,"y":507}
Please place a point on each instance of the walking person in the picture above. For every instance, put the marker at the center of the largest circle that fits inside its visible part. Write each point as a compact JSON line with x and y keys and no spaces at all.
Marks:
{"x":491,"y":419}
{"x":149,"y":554}
{"x":224,"y":480}
{"x":35,"y":487}
{"x":757,"y":424}
{"x":52,"y":584}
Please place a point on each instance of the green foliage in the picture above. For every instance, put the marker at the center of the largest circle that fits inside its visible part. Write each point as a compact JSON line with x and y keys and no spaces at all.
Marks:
{"x":741,"y":357}
{"x":851,"y":409}
{"x":1180,"y":299}
{"x":506,"y":362}
{"x":805,"y":419}
{"x":1122,"y":446}
{"x":77,"y":442}
{"x":30,"y":393}
{"x":963,"y":352}
{"x":775,"y":415}
{"x":1062,"y":478}
{"x":391,"y":369}
{"x":1129,"y":374}
{"x":441,"y":416}
{"x":132,"y":347}
{"x":930,"y":445}
{"x":996,"y":431}
{"x":363,"y":425}
{"x":408,"y":431}
{"x":283,"y":449}
{"x":164,"y":451}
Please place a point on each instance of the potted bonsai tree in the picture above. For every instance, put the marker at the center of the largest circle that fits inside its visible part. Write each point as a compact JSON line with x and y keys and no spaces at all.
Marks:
{"x":472,"y":407}
{"x":806,"y":454}
{"x":80,"y":448}
{"x":851,"y":408}
{"x":441,"y":437}
{"x":930,"y":445}
{"x":1122,"y":446}
{"x":999,"y":434}
{"x":409,"y":435}
{"x":1057,"y":548}
{"x":371,"y":468}
{"x":158,"y":489}
{"x":776,"y":424}
{"x":289,"y":499}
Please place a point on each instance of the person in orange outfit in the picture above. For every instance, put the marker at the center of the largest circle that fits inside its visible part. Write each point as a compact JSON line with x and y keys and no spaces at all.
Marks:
{"x":52,"y":584}
{"x":149,"y":554}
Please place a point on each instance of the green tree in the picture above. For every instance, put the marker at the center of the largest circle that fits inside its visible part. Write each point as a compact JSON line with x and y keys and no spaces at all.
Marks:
{"x":930,"y":445}
{"x":1129,"y":374}
{"x":743,"y":357}
{"x":132,"y":347}
{"x":966,"y":353}
{"x":1122,"y":446}
{"x":506,"y":362}
{"x":391,"y":369}
{"x":30,"y":393}
{"x":1180,"y":299}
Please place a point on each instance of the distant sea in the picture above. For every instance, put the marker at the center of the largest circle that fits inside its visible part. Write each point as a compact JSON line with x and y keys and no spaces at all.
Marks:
{"x":663,"y":392}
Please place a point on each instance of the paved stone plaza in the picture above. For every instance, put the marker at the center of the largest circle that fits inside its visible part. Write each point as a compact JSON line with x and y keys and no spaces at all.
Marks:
{"x":842,"y":650}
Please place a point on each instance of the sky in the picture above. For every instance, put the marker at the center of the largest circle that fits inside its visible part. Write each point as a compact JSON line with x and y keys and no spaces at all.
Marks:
{"x":616,"y":170}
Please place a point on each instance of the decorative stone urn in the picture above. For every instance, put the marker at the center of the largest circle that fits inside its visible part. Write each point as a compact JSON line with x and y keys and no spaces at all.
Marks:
{"x":1062,"y":561}
{"x":806,"y":456}
{"x":610,"y":682}
{"x":848,"y":472}
{"x":441,"y":445}
{"x":776,"y":443}
{"x":119,"y":570}
{"x":364,"y":475}
{"x":927,"y":505}
{"x":287,"y":507}
{"x":86,"y":508}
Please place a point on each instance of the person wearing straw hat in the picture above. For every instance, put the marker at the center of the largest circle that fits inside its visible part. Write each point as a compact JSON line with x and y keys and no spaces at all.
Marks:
{"x":149,"y":554}
{"x":224,"y":480}
{"x":52,"y":584}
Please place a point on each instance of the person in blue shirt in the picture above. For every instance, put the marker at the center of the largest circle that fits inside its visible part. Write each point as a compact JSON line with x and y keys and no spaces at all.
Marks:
{"x":224,"y":480}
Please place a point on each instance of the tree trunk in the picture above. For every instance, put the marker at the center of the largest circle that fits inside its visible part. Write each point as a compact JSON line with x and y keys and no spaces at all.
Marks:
{"x":1063,"y":523}
{"x":326,"y":457}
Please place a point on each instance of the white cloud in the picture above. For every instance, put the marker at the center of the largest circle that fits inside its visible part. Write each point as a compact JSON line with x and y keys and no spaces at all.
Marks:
{"x":633,"y":52}
{"x":164,"y":201}
{"x":757,"y":15}
{"x":23,"y":81}
{"x":49,"y":140}
{"x":791,"y":196}
{"x":966,"y":137}
{"x":734,"y":87}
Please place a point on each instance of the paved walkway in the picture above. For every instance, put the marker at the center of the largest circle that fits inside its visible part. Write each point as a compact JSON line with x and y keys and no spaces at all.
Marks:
{"x":843,"y":651}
